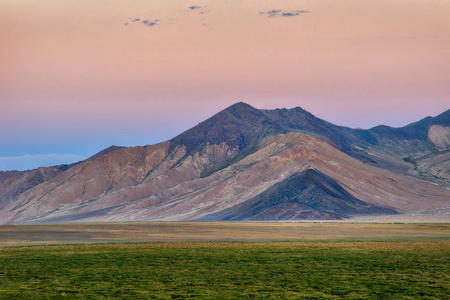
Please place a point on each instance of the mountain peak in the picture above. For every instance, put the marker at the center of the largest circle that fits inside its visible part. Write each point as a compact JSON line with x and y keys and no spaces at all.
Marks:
{"x":239,"y":104}
{"x":237,"y":125}
{"x":239,"y":109}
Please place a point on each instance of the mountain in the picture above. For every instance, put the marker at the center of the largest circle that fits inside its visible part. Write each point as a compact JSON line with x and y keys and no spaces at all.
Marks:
{"x":246,"y":164}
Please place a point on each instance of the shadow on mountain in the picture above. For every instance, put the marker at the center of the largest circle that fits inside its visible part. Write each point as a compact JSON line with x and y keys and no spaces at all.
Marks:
{"x":302,"y":196}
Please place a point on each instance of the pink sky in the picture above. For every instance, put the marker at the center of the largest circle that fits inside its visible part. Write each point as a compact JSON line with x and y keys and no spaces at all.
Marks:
{"x":75,"y":79}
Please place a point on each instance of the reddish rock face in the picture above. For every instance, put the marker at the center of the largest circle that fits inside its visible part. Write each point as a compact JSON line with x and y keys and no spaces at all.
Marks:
{"x":242,"y":164}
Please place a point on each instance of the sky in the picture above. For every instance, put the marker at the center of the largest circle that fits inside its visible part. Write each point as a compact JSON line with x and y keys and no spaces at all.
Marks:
{"x":77,"y":76}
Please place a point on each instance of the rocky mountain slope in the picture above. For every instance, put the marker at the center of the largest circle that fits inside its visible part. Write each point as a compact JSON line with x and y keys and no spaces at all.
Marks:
{"x":246,"y":164}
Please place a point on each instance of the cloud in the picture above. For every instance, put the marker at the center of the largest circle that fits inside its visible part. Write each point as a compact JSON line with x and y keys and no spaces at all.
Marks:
{"x":143,"y":22}
{"x":150,"y":23}
{"x":274,"y":12}
{"x":200,"y":9}
{"x":283,"y":13}
{"x":28,"y":162}
{"x":290,"y":14}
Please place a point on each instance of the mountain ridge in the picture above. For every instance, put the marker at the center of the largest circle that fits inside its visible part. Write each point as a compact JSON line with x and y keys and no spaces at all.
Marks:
{"x":249,"y":153}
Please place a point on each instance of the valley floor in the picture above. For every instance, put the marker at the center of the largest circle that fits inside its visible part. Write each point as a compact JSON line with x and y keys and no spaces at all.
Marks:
{"x":216,"y":231}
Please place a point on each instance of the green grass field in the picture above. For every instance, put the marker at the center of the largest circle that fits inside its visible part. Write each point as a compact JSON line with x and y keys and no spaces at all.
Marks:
{"x":396,"y":269}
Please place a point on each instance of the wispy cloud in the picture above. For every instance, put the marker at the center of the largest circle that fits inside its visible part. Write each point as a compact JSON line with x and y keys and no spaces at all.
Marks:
{"x":150,"y":23}
{"x":283,"y":13}
{"x":142,"y":21}
{"x":199,"y":9}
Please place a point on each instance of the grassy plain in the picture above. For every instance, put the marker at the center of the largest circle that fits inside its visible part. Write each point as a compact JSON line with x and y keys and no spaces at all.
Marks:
{"x":396,"y":269}
{"x":214,"y":260}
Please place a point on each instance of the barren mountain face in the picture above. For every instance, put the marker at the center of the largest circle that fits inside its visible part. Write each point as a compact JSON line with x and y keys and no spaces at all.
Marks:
{"x":246,"y":164}
{"x":439,"y":136}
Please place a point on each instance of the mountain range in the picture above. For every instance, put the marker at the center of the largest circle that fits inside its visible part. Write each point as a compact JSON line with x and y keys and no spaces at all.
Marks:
{"x":248,"y":164}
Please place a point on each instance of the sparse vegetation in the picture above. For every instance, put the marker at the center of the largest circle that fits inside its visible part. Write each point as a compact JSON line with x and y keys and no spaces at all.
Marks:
{"x":216,"y":231}
{"x":229,"y":270}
